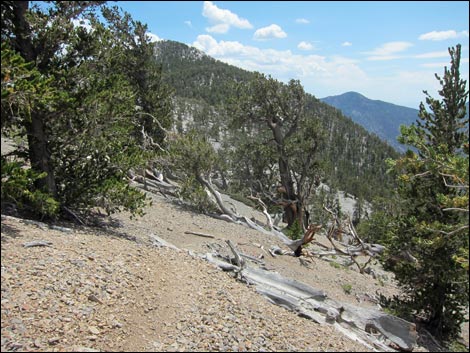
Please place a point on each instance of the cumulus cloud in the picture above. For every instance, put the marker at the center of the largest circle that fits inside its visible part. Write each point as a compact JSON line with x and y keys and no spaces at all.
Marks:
{"x":388,"y":51}
{"x":223,"y":19}
{"x":269,"y":32}
{"x":305,"y":46}
{"x":346,"y":44}
{"x":321,"y":75}
{"x":282,"y":64}
{"x":443,"y":35}
{"x":153,"y":37}
{"x":220,"y":28}
{"x":302,"y":21}
{"x":188,"y":23}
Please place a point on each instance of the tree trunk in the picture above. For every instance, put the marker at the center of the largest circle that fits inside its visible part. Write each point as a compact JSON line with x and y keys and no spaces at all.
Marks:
{"x":290,"y":211}
{"x":38,"y":153}
{"x":37,"y":139}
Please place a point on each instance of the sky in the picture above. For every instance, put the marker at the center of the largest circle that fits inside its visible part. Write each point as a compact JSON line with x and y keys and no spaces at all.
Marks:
{"x":385,"y":50}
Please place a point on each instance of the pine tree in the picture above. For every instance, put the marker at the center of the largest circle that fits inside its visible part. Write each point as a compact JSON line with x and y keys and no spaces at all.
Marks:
{"x":99,"y":117}
{"x":433,"y":221}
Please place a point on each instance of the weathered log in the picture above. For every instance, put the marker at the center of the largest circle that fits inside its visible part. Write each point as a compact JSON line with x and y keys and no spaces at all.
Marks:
{"x":225,"y":266}
{"x":37,"y":243}
{"x":399,"y":331}
{"x":356,"y":323}
{"x":159,"y":242}
{"x":238,"y":259}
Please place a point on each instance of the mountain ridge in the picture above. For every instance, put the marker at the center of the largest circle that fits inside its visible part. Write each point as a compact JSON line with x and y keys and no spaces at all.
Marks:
{"x":202,"y":89}
{"x":377,"y":116}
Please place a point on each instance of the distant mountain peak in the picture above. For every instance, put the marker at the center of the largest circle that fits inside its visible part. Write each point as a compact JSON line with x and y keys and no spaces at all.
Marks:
{"x":379,"y":117}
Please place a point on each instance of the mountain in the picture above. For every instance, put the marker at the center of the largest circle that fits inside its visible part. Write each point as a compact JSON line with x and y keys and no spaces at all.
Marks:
{"x":381,"y":118}
{"x":203,"y":87}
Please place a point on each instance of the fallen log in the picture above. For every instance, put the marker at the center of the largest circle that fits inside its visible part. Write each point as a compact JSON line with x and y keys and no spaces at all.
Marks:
{"x":310,"y":303}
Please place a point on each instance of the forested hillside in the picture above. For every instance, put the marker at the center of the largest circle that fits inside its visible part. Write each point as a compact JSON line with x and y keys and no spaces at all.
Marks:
{"x":381,"y":118}
{"x":203,"y":88}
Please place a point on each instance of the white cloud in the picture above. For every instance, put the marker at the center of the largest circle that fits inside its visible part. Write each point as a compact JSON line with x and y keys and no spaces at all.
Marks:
{"x":220,"y":28}
{"x":188,"y":23}
{"x":383,"y":57}
{"x":435,"y":65}
{"x":269,"y":32}
{"x":153,"y":37}
{"x":332,"y":75}
{"x":305,"y":46}
{"x":223,"y":19}
{"x":284,"y":64}
{"x":388,"y":50}
{"x":302,"y":21}
{"x":443,"y":35}
{"x":432,"y":55}
{"x":346,"y":44}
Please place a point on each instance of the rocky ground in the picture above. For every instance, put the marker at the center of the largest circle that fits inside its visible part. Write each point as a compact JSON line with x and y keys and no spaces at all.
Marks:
{"x":108,"y":288}
{"x":92,"y":290}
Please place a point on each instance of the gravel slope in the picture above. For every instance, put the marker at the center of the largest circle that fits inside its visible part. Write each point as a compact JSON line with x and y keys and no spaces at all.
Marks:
{"x":110,"y":289}
{"x":94,"y":291}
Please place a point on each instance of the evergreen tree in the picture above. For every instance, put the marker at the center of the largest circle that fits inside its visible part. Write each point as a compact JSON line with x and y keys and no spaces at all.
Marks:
{"x":273,"y":113}
{"x":100,"y":117}
{"x":432,"y":224}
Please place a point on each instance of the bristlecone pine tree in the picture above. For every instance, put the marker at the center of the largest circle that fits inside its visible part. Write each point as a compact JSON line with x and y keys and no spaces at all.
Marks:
{"x":432,"y":225}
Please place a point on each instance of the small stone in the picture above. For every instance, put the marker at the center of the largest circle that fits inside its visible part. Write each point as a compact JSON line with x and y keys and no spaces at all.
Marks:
{"x":54,"y":340}
{"x":94,"y":330}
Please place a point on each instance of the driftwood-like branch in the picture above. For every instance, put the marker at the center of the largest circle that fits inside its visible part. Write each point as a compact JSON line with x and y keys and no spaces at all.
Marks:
{"x":307,"y":238}
{"x":362,"y":248}
{"x":265,"y":210}
{"x":200,"y":234}
{"x":78,"y":219}
{"x":35,"y":243}
{"x":238,"y":259}
{"x":357,"y":323}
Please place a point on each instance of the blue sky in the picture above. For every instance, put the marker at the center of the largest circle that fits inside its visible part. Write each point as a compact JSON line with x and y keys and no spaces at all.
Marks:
{"x":383,"y":50}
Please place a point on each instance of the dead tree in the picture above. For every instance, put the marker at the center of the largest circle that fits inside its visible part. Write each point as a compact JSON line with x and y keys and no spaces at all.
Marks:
{"x":352,"y":251}
{"x":307,"y":238}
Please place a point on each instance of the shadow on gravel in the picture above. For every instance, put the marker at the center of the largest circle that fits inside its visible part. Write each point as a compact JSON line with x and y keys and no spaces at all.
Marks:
{"x":9,"y":231}
{"x":108,"y":226}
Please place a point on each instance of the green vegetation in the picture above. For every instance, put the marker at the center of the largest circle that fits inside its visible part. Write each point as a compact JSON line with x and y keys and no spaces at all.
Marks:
{"x":193,"y":159}
{"x":347,"y":288}
{"x":336,"y":265}
{"x":87,"y":113}
{"x":295,"y":231}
